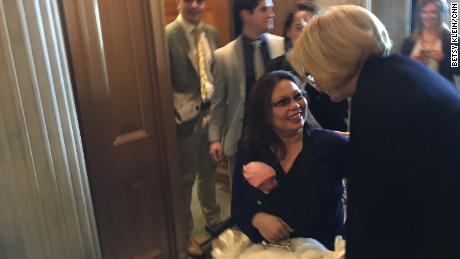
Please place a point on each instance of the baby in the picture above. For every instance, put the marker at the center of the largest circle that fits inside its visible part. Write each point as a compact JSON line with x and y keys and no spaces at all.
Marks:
{"x":260,"y":176}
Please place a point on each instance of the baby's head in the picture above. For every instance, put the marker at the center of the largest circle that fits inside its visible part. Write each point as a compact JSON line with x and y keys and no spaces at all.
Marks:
{"x":260,"y":176}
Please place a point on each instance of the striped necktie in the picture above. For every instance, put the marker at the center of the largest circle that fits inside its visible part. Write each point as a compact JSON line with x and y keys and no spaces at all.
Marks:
{"x":201,"y":64}
{"x":259,"y":66}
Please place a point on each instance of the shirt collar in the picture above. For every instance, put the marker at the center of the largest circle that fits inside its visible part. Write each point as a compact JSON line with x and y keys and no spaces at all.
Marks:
{"x":247,"y":41}
{"x":188,"y":26}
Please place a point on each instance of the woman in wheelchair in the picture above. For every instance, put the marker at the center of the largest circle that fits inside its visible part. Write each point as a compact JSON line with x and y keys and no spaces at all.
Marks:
{"x":295,"y":189}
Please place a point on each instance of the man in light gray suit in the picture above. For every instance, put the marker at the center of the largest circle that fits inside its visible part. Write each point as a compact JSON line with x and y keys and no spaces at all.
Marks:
{"x":191,"y":45}
{"x":237,"y":66}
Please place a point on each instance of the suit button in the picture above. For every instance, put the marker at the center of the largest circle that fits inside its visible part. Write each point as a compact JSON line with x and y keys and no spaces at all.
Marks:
{"x":259,"y":202}
{"x":197,"y":108}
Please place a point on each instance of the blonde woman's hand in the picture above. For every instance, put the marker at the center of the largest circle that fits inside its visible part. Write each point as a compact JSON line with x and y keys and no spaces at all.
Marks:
{"x":272,"y":228}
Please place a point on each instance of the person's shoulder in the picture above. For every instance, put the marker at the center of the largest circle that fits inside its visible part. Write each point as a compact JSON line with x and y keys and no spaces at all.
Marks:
{"x":273,"y":37}
{"x":172,"y":26}
{"x":385,"y":75}
{"x":209,"y":28}
{"x":446,"y":34}
{"x":172,"y":29}
{"x":276,"y":44}
{"x":325,"y":137}
{"x":327,"y":142}
{"x":274,"y":40}
{"x":229,"y":47}
{"x":387,"y":67}
{"x":401,"y":68}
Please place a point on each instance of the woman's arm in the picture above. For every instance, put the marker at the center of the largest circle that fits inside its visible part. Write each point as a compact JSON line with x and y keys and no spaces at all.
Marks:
{"x":247,"y":213}
{"x":244,"y":206}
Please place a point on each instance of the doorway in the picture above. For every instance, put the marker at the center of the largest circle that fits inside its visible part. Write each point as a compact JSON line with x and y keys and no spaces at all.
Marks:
{"x":126,"y":115}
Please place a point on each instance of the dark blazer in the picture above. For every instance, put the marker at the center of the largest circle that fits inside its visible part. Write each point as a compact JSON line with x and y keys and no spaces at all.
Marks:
{"x":444,"y":66}
{"x":404,"y":189}
{"x":185,"y":76}
{"x":308,"y":198}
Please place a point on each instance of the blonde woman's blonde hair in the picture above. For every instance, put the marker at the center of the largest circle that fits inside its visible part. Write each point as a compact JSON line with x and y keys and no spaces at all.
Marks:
{"x":334,"y":46}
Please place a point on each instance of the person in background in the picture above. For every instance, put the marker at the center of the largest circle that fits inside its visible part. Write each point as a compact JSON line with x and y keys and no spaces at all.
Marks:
{"x":296,"y":19}
{"x":237,"y":66}
{"x":430,"y":42}
{"x":306,"y":198}
{"x":328,"y":114}
{"x":191,"y":45}
{"x":404,"y":184}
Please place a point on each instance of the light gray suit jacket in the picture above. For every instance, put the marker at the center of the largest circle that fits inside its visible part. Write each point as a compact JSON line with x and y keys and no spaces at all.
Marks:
{"x":228,"y":103}
{"x":185,"y":76}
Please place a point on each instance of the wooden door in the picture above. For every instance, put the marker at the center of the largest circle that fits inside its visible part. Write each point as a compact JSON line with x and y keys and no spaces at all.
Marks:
{"x":126,"y":115}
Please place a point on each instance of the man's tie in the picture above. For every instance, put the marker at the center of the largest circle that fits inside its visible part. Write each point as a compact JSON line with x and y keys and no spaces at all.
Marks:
{"x":201,"y":65}
{"x":259,"y":66}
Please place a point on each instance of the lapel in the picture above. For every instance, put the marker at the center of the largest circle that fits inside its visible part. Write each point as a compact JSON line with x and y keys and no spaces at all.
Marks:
{"x":210,"y":38}
{"x":182,"y":40}
{"x":238,"y":64}
{"x":192,"y":59}
{"x":275,"y":48}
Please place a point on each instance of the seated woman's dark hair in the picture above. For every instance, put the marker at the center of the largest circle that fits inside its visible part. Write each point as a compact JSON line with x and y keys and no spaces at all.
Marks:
{"x":258,"y":132}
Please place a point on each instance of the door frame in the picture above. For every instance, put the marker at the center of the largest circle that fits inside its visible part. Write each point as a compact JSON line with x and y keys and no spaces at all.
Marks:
{"x":164,"y":103}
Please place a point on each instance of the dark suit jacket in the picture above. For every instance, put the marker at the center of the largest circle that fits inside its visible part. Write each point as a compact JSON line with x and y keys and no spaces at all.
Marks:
{"x":444,"y":66}
{"x":404,"y":189}
{"x":185,"y":77}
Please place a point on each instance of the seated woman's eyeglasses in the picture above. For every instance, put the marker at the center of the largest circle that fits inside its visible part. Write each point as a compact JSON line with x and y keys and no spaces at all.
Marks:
{"x":285,"y":101}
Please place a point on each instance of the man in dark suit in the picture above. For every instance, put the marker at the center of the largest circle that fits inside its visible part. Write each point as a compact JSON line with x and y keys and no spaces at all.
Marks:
{"x":191,"y":45}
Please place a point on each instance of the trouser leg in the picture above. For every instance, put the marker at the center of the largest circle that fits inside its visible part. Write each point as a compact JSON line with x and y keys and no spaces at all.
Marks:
{"x":206,"y":182}
{"x":188,"y":164}
{"x":230,"y":168}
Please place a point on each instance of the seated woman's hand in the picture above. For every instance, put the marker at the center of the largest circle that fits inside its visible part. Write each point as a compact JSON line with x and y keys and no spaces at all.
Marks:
{"x":272,"y":228}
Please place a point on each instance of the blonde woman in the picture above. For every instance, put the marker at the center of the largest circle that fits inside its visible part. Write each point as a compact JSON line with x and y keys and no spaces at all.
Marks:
{"x":404,"y":198}
{"x":430,"y":42}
